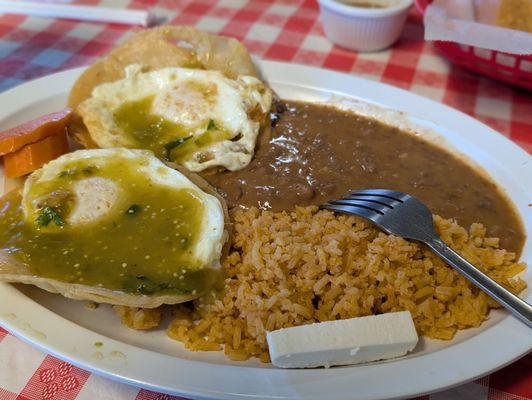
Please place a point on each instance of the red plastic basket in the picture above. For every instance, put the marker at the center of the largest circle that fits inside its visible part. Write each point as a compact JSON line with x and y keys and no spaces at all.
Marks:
{"x":510,"y":68}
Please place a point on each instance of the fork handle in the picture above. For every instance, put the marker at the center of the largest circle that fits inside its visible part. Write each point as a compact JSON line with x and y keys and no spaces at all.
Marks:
{"x":520,"y":308}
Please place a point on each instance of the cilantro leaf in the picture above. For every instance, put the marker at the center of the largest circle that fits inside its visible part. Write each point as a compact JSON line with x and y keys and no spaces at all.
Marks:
{"x":67,"y":172}
{"x":144,"y":285}
{"x":48,"y":214}
{"x":73,"y":172}
{"x":168,"y":147}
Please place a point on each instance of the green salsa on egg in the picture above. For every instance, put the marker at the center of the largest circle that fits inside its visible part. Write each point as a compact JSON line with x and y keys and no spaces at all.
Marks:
{"x":143,"y":243}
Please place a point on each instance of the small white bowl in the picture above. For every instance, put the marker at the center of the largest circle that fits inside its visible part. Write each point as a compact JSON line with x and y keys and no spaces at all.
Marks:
{"x":364,"y":29}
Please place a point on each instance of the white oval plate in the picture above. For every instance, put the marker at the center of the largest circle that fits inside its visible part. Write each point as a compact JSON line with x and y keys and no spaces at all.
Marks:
{"x":149,"y":359}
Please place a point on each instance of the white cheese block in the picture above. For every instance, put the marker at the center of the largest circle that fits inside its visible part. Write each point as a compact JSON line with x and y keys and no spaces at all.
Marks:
{"x":348,"y":341}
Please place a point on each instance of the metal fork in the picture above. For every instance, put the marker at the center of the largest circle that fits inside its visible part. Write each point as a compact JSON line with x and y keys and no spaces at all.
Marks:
{"x":403,"y":215}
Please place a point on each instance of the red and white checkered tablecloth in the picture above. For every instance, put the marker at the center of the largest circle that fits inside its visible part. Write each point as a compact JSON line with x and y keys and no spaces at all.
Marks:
{"x":286,"y":30}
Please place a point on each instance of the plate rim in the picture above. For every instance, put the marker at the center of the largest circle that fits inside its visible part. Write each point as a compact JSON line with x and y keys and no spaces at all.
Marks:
{"x":115,"y":370}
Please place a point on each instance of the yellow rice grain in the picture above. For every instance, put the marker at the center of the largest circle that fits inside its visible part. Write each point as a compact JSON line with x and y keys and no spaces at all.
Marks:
{"x":293,"y":268}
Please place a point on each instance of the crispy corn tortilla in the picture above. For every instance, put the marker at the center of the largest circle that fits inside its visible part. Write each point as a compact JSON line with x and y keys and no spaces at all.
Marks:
{"x":156,"y":48}
{"x":166,"y":46}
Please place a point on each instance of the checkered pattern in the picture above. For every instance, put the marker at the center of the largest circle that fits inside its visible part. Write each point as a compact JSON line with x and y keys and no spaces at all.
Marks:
{"x":28,"y":374}
{"x":286,"y":30}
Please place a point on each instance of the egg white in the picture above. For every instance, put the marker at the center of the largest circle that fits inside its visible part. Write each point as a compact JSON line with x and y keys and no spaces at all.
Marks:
{"x":237,"y":105}
{"x":96,"y":197}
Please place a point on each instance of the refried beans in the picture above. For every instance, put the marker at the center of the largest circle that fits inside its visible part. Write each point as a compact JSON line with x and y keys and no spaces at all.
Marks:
{"x":316,"y":152}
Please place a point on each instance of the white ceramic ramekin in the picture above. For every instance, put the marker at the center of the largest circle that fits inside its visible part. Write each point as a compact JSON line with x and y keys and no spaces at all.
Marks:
{"x":364,"y":29}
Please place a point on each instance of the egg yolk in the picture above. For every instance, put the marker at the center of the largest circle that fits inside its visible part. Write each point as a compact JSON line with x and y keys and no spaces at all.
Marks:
{"x":143,"y":245}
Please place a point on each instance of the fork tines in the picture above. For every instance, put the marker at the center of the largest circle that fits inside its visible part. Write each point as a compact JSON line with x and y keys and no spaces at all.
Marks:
{"x":367,"y":203}
{"x":383,"y":193}
{"x":361,"y":211}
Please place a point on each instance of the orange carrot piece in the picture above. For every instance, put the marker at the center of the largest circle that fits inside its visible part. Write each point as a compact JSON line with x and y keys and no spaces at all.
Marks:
{"x":35,"y":155}
{"x":33,"y":131}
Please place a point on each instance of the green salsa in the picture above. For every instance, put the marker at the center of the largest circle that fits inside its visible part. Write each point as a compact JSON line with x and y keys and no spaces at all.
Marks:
{"x":165,"y":138}
{"x":142,"y":245}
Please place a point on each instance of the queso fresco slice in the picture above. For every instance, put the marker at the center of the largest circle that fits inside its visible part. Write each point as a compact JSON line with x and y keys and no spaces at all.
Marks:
{"x":115,"y":226}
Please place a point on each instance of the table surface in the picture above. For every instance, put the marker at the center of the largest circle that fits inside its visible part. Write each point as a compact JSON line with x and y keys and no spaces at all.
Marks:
{"x":283,"y":30}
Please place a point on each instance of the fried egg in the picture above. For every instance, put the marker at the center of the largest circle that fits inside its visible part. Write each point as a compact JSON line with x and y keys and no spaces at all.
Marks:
{"x":115,"y":226}
{"x":196,"y":118}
